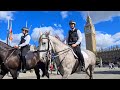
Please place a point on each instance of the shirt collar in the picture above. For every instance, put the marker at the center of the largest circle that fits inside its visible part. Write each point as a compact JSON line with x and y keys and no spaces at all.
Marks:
{"x":24,"y":34}
{"x":73,"y":29}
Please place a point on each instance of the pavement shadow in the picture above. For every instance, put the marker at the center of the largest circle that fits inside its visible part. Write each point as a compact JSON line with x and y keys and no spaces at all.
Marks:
{"x":106,"y":72}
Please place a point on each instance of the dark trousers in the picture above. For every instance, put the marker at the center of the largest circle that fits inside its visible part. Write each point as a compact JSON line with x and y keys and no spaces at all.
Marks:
{"x":24,"y":51}
{"x":77,"y":51}
{"x":23,"y":61}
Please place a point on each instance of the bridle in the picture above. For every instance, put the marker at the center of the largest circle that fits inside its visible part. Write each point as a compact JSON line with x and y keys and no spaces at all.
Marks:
{"x":65,"y":51}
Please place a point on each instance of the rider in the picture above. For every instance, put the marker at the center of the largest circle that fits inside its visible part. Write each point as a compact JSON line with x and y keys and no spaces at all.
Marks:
{"x":24,"y":46}
{"x":74,"y":40}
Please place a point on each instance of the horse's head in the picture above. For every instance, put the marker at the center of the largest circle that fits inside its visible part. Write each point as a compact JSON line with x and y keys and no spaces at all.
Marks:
{"x":44,"y":44}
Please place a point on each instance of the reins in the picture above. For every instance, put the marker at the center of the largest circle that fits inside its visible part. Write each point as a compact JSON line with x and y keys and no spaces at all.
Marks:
{"x":9,"y":56}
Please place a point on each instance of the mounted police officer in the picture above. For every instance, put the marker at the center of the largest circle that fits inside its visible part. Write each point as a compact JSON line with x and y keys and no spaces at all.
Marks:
{"x":74,"y":40}
{"x":24,"y":46}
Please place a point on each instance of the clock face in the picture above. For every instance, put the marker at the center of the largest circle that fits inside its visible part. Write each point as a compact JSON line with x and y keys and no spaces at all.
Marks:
{"x":88,"y":31}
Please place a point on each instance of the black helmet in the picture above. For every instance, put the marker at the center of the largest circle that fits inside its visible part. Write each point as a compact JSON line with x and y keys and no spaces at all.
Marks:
{"x":25,"y":28}
{"x":72,"y":22}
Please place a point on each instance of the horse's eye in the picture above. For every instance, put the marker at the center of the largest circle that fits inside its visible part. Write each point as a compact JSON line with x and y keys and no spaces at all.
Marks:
{"x":43,"y":43}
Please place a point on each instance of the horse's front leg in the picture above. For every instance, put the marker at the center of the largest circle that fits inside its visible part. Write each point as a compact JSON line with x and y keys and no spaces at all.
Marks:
{"x":36,"y":68}
{"x":14,"y":73}
{"x":67,"y":73}
{"x":2,"y":74}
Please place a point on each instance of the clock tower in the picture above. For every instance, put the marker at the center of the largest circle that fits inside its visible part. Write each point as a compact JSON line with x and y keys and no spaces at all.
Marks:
{"x":90,"y":35}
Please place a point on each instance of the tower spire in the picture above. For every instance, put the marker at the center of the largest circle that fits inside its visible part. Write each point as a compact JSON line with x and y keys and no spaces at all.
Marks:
{"x":88,"y":13}
{"x":90,"y":34}
{"x":88,"y":20}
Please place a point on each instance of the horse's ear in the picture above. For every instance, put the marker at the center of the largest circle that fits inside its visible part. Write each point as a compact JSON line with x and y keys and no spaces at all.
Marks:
{"x":40,"y":33}
{"x":47,"y":33}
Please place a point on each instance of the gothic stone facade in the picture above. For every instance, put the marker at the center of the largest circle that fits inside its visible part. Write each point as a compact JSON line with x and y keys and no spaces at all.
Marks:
{"x":111,"y":55}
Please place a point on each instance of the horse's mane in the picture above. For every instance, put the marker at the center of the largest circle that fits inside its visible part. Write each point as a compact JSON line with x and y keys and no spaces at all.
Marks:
{"x":5,"y":46}
{"x":60,"y":41}
{"x":67,"y":46}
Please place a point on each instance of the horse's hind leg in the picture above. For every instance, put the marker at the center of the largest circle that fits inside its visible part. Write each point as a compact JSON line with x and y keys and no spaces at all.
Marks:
{"x":91,"y":71}
{"x":14,"y":73}
{"x":36,"y":68}
{"x":3,"y":71}
{"x":87,"y":71}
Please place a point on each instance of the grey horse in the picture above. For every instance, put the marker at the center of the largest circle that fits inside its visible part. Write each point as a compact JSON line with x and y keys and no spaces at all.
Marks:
{"x":66,"y":59}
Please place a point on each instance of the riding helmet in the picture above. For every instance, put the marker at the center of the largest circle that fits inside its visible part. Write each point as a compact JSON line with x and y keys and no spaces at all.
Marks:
{"x":25,"y":28}
{"x":72,"y":22}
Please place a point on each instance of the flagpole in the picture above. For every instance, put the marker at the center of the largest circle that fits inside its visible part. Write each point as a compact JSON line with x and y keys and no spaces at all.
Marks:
{"x":30,"y":27}
{"x":11,"y":23}
{"x":8,"y":31}
{"x":26,"y":23}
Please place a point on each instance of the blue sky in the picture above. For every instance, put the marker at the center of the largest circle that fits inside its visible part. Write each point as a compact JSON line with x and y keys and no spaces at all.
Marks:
{"x":107,"y":24}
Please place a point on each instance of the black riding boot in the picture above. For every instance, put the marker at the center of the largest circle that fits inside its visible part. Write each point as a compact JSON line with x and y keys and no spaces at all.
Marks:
{"x":24,"y":64}
{"x":82,"y":62}
{"x":81,"y":59}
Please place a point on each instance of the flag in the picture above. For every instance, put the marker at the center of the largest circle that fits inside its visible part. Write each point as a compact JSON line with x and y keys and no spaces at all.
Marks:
{"x":10,"y":34}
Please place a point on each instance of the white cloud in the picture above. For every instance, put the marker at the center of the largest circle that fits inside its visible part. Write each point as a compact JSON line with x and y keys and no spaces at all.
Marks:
{"x":15,"y":41}
{"x":103,"y":40}
{"x":64,"y":14}
{"x":57,"y":25}
{"x":4,"y":15}
{"x":96,"y":16}
{"x":100,"y":16}
{"x":36,"y":32}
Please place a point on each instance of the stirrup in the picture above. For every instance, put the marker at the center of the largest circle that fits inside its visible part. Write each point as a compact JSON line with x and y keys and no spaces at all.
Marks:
{"x":83,"y":68}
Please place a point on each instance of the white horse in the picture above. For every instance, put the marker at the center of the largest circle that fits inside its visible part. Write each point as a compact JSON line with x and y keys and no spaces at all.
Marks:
{"x":65,"y":57}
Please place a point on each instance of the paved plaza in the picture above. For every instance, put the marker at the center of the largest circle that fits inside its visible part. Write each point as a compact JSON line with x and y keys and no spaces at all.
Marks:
{"x":100,"y":73}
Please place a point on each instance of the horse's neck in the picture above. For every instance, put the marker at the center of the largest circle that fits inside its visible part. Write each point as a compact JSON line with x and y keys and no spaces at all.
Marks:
{"x":3,"y":54}
{"x":4,"y":50}
{"x":58,"y":45}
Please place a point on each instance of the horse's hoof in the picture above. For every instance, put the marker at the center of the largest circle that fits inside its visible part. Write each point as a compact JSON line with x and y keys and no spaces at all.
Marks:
{"x":24,"y":71}
{"x":9,"y":75}
{"x":47,"y":75}
{"x":43,"y":75}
